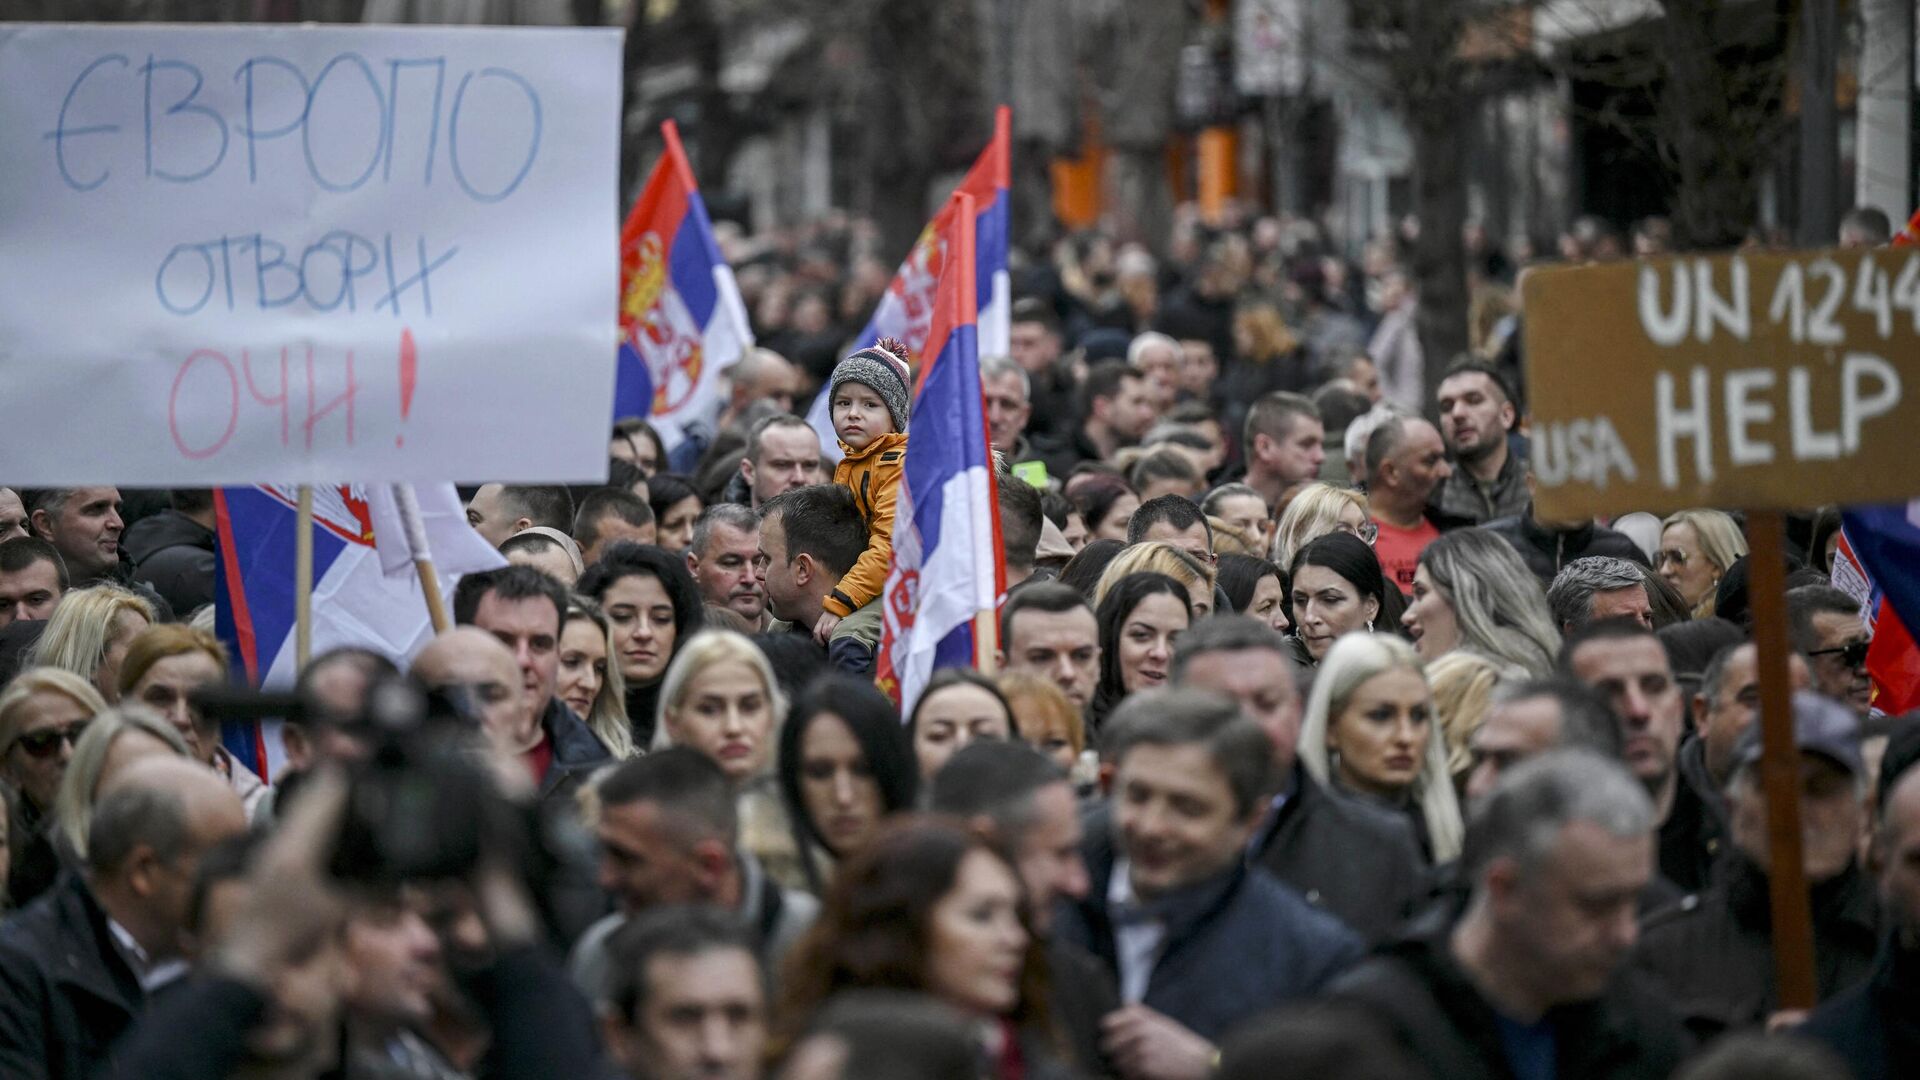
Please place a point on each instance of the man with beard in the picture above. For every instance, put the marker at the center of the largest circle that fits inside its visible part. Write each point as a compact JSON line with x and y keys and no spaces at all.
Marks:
{"x":1488,"y":479}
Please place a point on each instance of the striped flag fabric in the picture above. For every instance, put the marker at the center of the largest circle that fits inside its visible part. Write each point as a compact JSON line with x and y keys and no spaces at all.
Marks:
{"x":947,"y":569}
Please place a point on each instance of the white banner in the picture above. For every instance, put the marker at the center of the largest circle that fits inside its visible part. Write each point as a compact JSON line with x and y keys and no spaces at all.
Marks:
{"x":306,"y":254}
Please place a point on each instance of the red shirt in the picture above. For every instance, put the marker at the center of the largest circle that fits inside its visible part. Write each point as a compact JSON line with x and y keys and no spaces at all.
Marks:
{"x":1399,"y":551}
{"x":539,"y":759}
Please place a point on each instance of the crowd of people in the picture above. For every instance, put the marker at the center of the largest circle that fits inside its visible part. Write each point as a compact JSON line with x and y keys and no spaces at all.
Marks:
{"x":1309,"y":749}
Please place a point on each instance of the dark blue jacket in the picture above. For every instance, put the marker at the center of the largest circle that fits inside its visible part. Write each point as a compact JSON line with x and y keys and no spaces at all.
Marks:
{"x":1875,"y":1026}
{"x":1235,"y":946}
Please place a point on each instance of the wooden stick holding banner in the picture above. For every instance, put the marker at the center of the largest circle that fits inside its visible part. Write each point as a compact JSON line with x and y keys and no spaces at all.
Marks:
{"x":1763,"y":382}
{"x":303,"y":580}
{"x":408,"y":503}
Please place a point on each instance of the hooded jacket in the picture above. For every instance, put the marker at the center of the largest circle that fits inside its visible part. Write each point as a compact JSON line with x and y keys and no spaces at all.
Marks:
{"x":174,"y":554}
{"x":873,"y":474}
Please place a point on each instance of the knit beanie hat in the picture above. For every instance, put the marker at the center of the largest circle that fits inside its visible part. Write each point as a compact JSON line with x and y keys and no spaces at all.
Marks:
{"x":883,"y":368}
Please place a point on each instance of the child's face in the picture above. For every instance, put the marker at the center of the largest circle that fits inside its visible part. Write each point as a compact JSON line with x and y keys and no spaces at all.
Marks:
{"x":859,"y":416}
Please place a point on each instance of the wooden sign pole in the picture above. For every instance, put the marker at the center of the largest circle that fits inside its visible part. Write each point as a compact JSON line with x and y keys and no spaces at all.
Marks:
{"x":303,"y":580}
{"x":1780,"y":764}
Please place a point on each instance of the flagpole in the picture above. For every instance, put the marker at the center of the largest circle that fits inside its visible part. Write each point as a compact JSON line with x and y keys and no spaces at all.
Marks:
{"x":303,"y":580}
{"x":408,"y":503}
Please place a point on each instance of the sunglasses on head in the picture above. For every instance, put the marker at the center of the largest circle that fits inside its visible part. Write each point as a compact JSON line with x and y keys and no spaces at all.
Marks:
{"x":46,"y":743}
{"x":1852,"y":655}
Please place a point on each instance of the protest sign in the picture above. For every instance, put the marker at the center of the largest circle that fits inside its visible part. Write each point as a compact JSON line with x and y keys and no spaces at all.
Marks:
{"x":1757,"y":381}
{"x":306,"y":254}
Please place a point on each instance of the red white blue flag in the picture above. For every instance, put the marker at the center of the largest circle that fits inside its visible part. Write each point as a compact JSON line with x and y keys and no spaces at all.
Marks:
{"x":947,"y":568}
{"x":682,"y":321}
{"x":354,"y":601}
{"x":1879,"y":564}
{"x":906,"y":309}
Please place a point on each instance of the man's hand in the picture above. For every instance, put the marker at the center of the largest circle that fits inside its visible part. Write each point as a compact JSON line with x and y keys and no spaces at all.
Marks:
{"x":291,"y":906}
{"x":823,"y":629}
{"x":1146,"y":1045}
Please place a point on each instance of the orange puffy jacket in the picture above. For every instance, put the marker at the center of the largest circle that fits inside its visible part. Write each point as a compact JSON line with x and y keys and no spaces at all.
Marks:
{"x":873,"y":475}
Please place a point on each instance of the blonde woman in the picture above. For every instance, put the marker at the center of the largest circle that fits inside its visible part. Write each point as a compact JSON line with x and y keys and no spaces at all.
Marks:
{"x":43,"y":713}
{"x":89,"y":634}
{"x":1463,"y":684}
{"x":1318,"y":510}
{"x":1160,"y":557}
{"x":589,"y":685}
{"x":720,"y":697}
{"x":1696,"y":547}
{"x":113,"y":741}
{"x":1370,"y":731}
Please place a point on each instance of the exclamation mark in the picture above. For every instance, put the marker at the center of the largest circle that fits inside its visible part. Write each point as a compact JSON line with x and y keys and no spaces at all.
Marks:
{"x":409,"y":370}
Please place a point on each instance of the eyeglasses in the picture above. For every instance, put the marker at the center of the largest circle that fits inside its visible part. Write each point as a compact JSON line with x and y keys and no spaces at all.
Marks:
{"x":1852,"y":654}
{"x":43,"y":744}
{"x":1671,"y":555}
{"x":1368,"y":531}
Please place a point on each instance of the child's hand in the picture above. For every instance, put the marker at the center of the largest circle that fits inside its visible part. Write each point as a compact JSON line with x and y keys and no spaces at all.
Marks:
{"x":823,"y":629}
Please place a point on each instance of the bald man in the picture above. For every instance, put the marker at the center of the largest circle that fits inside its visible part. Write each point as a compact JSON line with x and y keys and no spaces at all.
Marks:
{"x":470,"y":658}
{"x":77,"y":965}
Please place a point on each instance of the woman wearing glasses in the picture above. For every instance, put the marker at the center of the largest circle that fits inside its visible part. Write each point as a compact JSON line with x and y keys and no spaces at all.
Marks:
{"x":1320,"y":509}
{"x":1696,"y":547}
{"x":42,"y":714}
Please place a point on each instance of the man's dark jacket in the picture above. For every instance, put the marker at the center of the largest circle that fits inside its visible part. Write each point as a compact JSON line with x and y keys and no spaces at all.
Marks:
{"x":1875,"y":1026}
{"x":1235,"y":946}
{"x":1713,"y":953}
{"x":1350,"y":860}
{"x":1695,"y":832}
{"x":174,"y":554}
{"x":66,"y":993}
{"x":1547,"y":551}
{"x":1081,"y":994}
{"x":1437,"y":1013}
{"x":577,"y":751}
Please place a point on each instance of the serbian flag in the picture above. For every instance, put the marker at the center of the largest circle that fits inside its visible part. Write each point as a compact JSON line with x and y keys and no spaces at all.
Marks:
{"x":906,"y":308}
{"x":1878,"y":561}
{"x":682,"y":321}
{"x":354,"y":602}
{"x":947,"y":568}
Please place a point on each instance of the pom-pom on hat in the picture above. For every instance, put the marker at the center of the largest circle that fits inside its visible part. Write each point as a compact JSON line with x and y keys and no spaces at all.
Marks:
{"x":882,"y":367}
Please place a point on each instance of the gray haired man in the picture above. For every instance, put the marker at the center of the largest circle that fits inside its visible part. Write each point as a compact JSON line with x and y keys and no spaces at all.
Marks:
{"x":1526,"y":982}
{"x":1600,"y":587}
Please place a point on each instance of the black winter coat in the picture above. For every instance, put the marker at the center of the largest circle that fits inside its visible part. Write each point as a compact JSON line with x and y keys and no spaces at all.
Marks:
{"x":1348,"y":859}
{"x":1713,"y":953}
{"x":1546,"y":551}
{"x":65,"y":991}
{"x":1439,"y":1016}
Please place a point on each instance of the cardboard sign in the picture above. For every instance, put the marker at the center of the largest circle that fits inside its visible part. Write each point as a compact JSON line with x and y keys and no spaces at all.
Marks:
{"x":1751,"y":381}
{"x":302,"y":254}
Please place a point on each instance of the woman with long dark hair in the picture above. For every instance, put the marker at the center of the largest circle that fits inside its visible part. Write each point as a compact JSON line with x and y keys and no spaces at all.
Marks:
{"x":1337,"y":588}
{"x":845,"y":766}
{"x":1139,"y":620}
{"x":654,"y":607}
{"x":930,"y":907}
